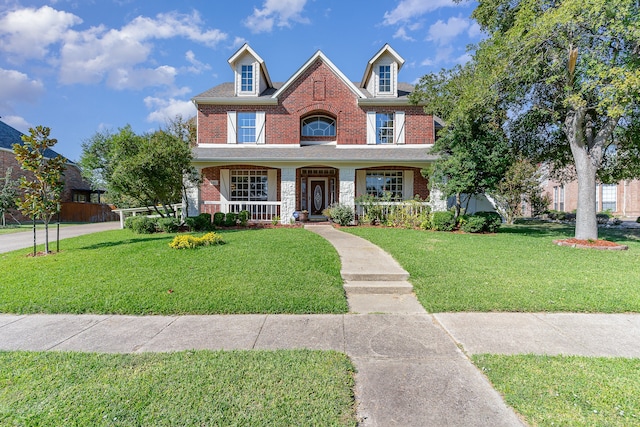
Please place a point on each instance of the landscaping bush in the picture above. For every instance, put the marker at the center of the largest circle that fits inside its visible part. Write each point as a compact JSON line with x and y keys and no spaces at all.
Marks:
{"x":638,"y":220}
{"x":201,"y":222}
{"x":493,"y":220}
{"x":443,"y":221}
{"x":143,"y":225}
{"x":187,"y":241}
{"x":168,"y":225}
{"x":602,"y":218}
{"x":230,"y":219}
{"x":341,"y":214}
{"x":218,"y":219}
{"x":474,"y":224}
{"x":243,"y":217}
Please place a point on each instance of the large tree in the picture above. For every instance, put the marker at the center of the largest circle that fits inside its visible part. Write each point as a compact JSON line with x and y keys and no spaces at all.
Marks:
{"x":41,"y":194}
{"x":140,"y":170}
{"x":568,"y":73}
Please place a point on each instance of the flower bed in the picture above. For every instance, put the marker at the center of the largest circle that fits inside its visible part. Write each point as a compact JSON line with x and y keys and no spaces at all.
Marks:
{"x":591,"y":244}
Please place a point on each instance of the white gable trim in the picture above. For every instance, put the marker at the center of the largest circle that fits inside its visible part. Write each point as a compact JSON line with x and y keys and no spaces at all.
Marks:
{"x":385,"y":49}
{"x":331,"y":66}
{"x":247,"y":49}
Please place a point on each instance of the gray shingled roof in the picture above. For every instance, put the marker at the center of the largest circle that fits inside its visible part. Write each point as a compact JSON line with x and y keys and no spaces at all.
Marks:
{"x":10,"y":136}
{"x":316,"y":153}
{"x":226,"y":90}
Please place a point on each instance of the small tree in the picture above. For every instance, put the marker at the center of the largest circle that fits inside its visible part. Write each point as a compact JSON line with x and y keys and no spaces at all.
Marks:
{"x":521,"y":180}
{"x":42,"y":194}
{"x":8,"y":195}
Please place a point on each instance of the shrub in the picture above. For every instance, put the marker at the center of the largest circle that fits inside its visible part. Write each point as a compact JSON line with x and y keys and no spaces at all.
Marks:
{"x":442,"y":221}
{"x":616,"y":221}
{"x":638,"y":220}
{"x":493,"y":220}
{"x":201,"y":222}
{"x":570,"y":216}
{"x":230,"y":219}
{"x":342,"y":214}
{"x":602,"y":218}
{"x":143,"y":225}
{"x":243,"y":217}
{"x":168,"y":225}
{"x":218,"y":219}
{"x":128,"y":221}
{"x":275,"y":220}
{"x":187,"y":241}
{"x":474,"y":224}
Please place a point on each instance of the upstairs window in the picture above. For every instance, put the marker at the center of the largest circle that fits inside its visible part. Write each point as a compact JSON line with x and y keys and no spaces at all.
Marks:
{"x":384,"y":78}
{"x":318,"y":126}
{"x":246,"y":127}
{"x":384,"y":128}
{"x":246,"y":82}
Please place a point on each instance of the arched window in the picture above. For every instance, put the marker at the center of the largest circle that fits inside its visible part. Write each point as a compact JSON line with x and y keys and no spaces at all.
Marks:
{"x":318,"y":126}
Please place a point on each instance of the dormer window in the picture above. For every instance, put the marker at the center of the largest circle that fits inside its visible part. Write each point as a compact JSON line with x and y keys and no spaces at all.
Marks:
{"x":384,"y":78}
{"x":246,"y":84}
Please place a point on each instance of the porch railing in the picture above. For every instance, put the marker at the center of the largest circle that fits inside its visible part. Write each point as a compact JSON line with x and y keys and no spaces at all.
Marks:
{"x":385,"y":208}
{"x":258,"y":211}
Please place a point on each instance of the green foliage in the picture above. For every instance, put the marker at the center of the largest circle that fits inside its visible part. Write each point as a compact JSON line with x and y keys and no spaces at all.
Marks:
{"x":443,"y":221}
{"x":187,"y":241}
{"x":473,"y":224}
{"x":341,"y":214}
{"x":493,"y":221}
{"x":201,"y":222}
{"x":141,"y":224}
{"x":520,"y":181}
{"x":373,"y":212}
{"x":602,"y":218}
{"x":231,"y":219}
{"x":243,"y":217}
{"x":275,"y":220}
{"x":8,"y":195}
{"x":168,"y":225}
{"x":638,"y":220}
{"x":218,"y":219}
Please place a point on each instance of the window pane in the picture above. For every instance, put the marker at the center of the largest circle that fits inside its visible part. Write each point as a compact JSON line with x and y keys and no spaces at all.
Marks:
{"x":385,"y":184}
{"x":247,"y":78}
{"x":318,"y":126}
{"x":384,"y":128}
{"x":249,"y":185}
{"x":246,"y":127}
{"x":385,"y":78}
{"x":609,"y":197}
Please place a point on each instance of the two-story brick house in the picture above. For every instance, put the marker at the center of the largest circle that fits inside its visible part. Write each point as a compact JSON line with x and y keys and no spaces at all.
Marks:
{"x":318,"y":138}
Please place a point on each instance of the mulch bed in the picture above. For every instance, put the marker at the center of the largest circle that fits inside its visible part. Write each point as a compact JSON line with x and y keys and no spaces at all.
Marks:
{"x":591,"y":244}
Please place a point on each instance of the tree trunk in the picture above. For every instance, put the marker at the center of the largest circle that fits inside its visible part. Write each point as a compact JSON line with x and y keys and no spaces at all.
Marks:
{"x":586,"y":223}
{"x":46,"y":237}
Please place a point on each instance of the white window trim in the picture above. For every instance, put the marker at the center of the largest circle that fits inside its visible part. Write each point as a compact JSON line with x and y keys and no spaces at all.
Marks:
{"x":232,"y":128}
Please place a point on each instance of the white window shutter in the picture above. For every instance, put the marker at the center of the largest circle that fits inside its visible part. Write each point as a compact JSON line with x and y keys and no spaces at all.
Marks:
{"x":371,"y":127}
{"x":407,"y":185}
{"x":231,"y":128}
{"x":361,"y":182}
{"x":272,"y":185}
{"x":225,"y":185}
{"x":399,"y":127}
{"x":260,"y":127}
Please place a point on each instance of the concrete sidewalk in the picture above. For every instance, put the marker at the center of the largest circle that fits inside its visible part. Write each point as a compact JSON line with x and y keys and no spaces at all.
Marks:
{"x":14,"y":241}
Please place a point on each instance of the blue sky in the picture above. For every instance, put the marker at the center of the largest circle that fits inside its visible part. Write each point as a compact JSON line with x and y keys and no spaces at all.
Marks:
{"x":82,"y":66}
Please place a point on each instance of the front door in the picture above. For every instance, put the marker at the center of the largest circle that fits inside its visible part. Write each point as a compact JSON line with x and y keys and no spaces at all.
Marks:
{"x":318,"y":195}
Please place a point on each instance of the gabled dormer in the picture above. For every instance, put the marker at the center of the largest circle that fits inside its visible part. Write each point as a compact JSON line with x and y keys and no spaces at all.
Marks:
{"x":250,"y":71}
{"x":381,"y":75}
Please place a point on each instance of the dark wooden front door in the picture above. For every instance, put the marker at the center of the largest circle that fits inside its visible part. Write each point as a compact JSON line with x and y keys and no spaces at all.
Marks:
{"x":318,"y":196}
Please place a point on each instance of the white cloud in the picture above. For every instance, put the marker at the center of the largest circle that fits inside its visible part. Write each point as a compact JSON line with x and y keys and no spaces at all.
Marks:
{"x":474,"y":30}
{"x":443,"y":32}
{"x":463,"y":59}
{"x":408,"y":10}
{"x":276,"y":12}
{"x":18,"y":123}
{"x":402,"y":34}
{"x":89,"y":56}
{"x":167,"y":109}
{"x":29,"y":32}
{"x":196,"y":67}
{"x":16,"y":86}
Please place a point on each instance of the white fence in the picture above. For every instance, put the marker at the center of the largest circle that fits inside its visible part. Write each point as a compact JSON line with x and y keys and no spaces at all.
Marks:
{"x":149,"y":211}
{"x":258,"y":211}
{"x":385,"y":208}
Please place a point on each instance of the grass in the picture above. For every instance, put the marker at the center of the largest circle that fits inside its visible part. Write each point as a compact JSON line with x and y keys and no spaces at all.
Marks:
{"x":256,"y":388}
{"x":567,"y":391}
{"x":256,"y":271}
{"x":518,"y":269}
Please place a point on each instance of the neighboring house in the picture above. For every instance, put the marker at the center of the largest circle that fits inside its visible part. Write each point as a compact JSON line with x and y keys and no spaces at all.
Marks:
{"x":316,"y":139}
{"x":75,"y":188}
{"x":621,"y":199}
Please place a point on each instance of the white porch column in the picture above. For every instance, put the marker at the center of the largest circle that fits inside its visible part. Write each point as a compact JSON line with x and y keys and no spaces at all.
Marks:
{"x":191,"y":204}
{"x":348,"y":186}
{"x":437,"y":201}
{"x":287,"y":194}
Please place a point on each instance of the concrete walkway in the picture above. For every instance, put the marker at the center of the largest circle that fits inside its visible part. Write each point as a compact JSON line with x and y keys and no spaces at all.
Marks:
{"x":14,"y":241}
{"x":412,"y":367}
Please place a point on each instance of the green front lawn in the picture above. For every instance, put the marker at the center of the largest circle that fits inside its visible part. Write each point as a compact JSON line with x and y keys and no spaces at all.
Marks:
{"x":567,"y":391}
{"x":256,"y":388}
{"x":517,"y":269}
{"x":256,"y":271}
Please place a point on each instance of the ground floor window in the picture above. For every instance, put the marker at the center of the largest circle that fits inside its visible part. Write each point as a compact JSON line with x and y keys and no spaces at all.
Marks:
{"x":558,"y":198}
{"x":249,"y":185}
{"x":385,"y":184}
{"x":609,"y":197}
